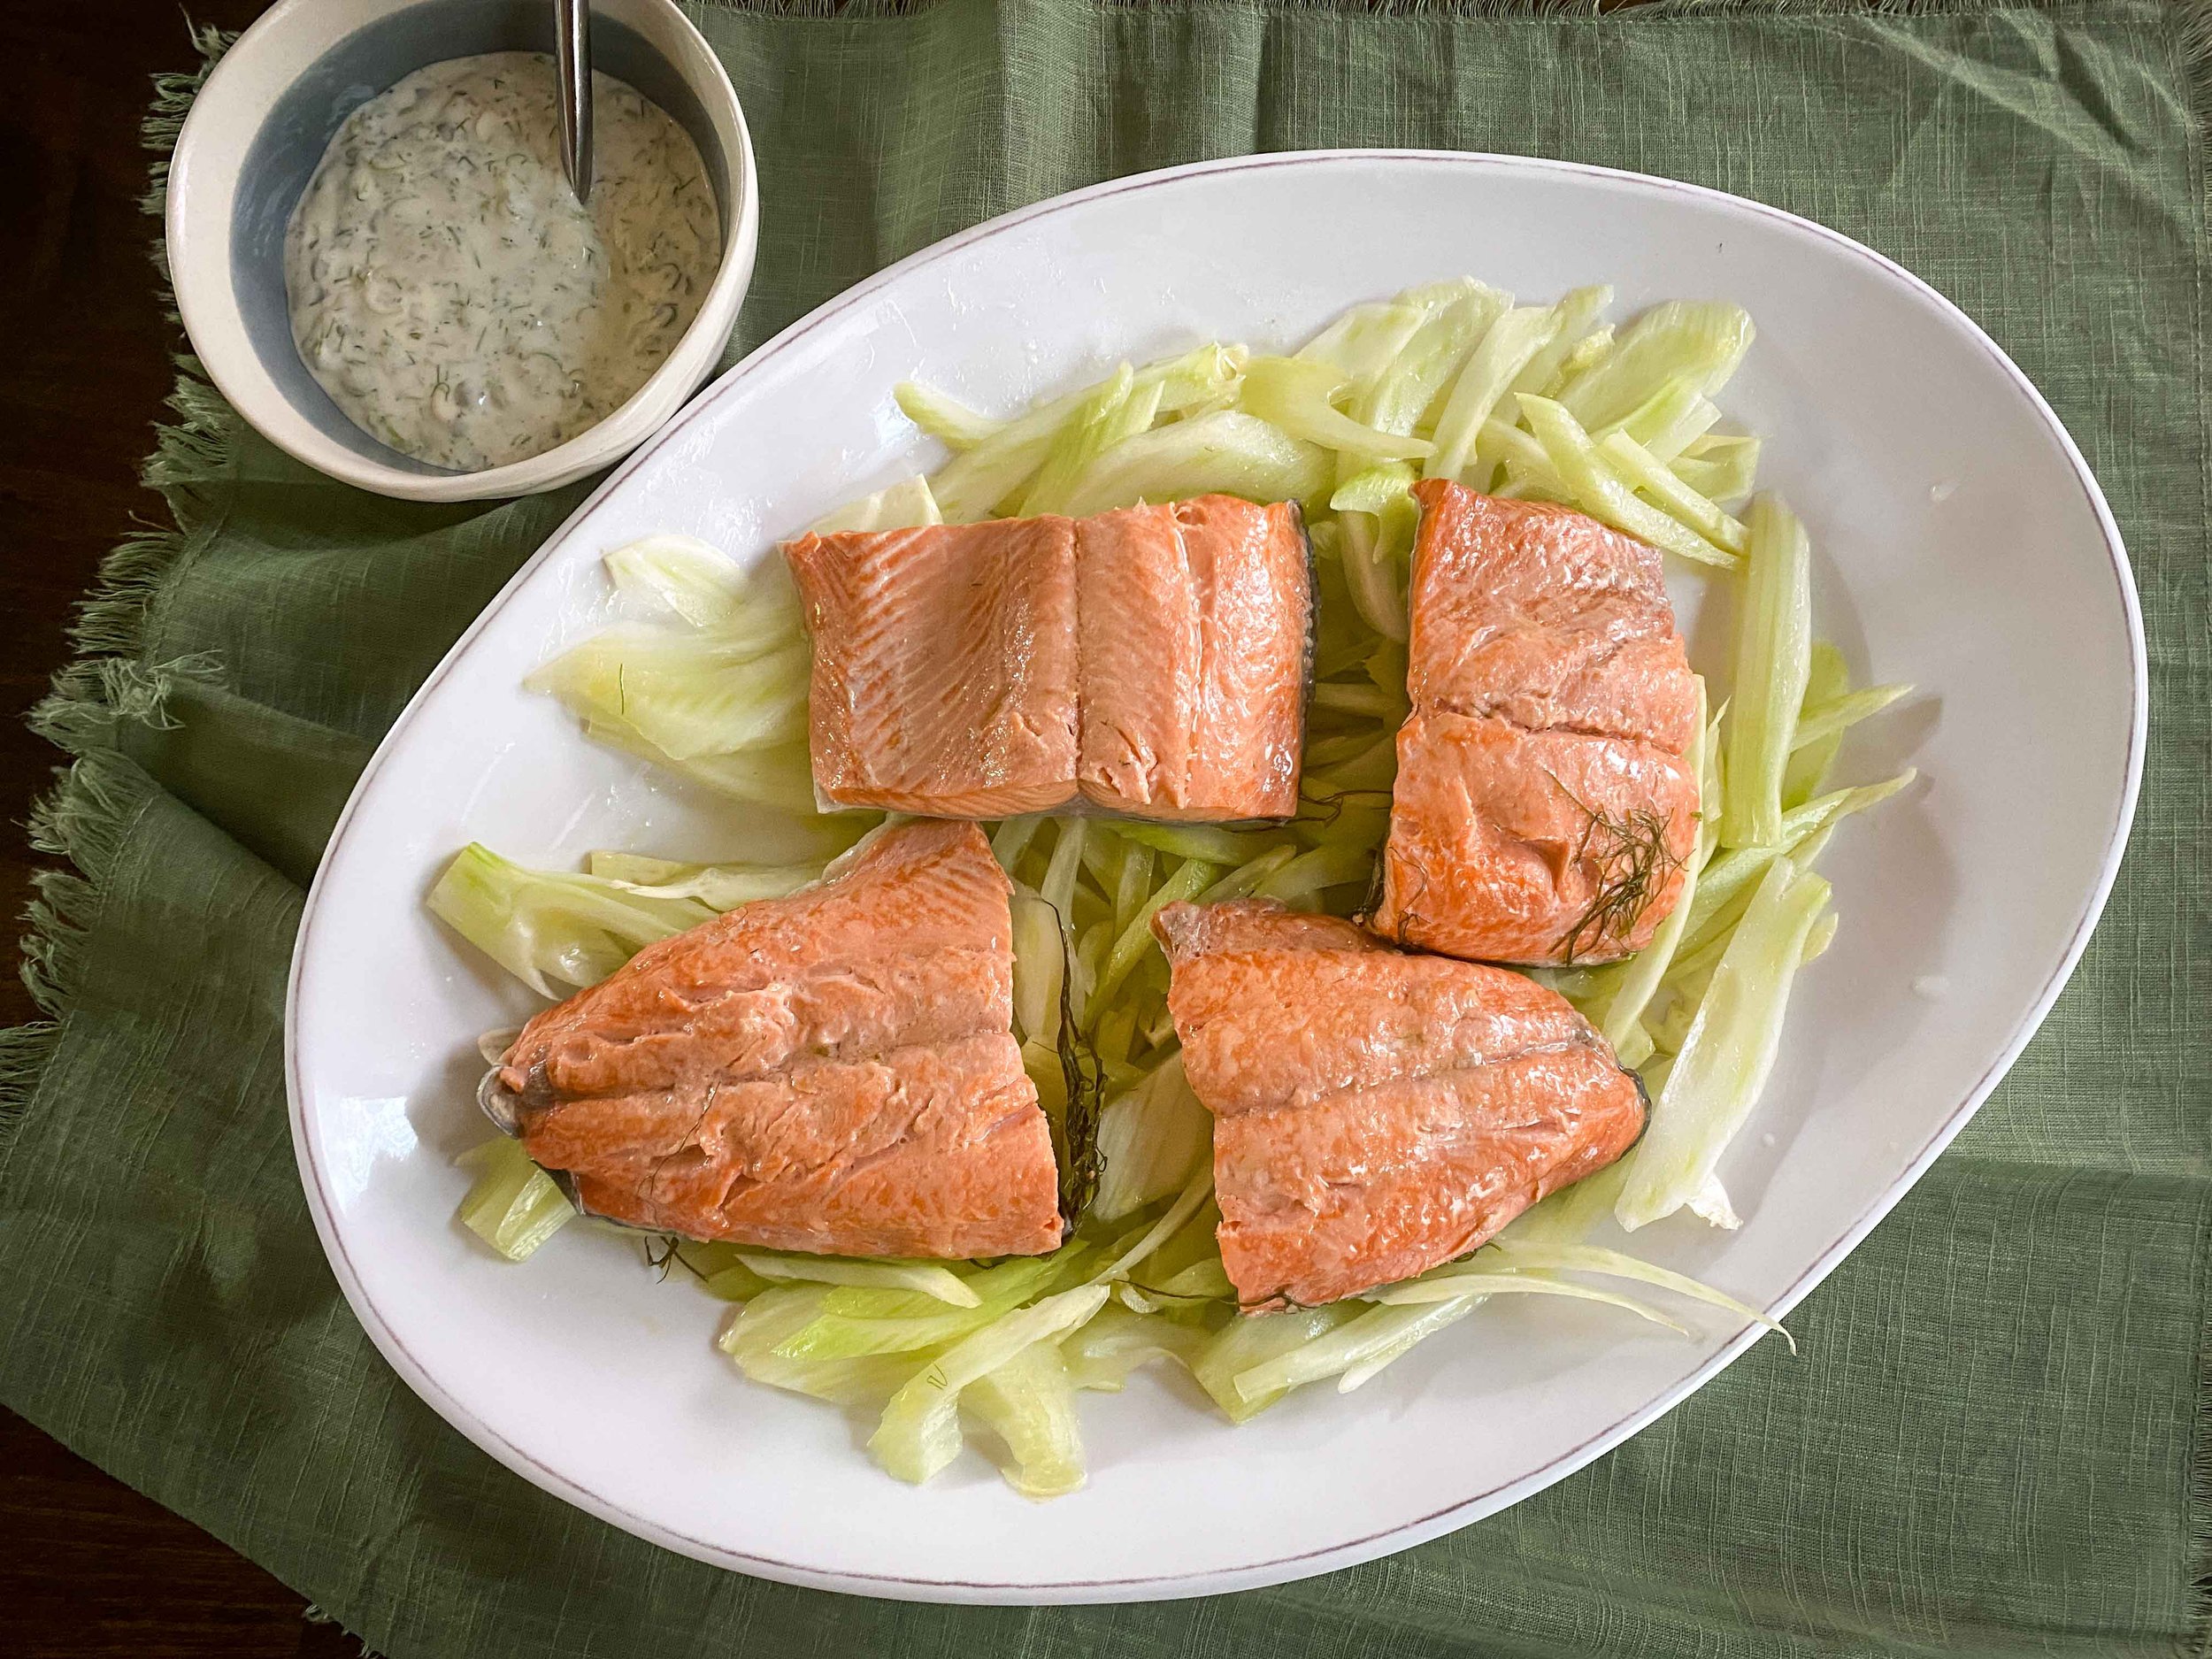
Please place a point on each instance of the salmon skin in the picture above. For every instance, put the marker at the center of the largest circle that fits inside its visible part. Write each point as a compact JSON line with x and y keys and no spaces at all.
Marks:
{"x":835,"y":1071}
{"x":1543,"y":811}
{"x":1376,"y":1112}
{"x":1151,"y":661}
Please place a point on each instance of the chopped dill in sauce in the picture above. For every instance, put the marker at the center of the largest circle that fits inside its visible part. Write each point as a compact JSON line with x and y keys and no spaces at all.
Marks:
{"x":450,"y":293}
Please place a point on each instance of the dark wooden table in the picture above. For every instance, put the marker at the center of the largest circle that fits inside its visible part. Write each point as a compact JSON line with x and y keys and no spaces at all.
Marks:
{"x":89,"y":1566}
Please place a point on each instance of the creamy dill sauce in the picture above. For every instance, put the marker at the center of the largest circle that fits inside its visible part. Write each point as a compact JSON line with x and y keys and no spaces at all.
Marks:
{"x":451,"y":295}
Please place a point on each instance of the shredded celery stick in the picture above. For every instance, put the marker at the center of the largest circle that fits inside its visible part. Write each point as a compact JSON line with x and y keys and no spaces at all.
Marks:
{"x":718,"y":887}
{"x":932,"y":1279}
{"x":1506,"y":350}
{"x":920,"y":1431}
{"x":1600,"y":492}
{"x":908,"y":502}
{"x":1100,"y":1355}
{"x":1640,"y":975}
{"x":1590,"y":1258}
{"x":1645,"y":472}
{"x":1040,"y":960}
{"x":702,"y":584}
{"x":1244,"y":1345}
{"x":1029,"y":1403}
{"x":1298,"y":393}
{"x":687,"y":694}
{"x":548,"y":928}
{"x":513,"y":1206}
{"x":1450,"y":1285}
{"x":1698,"y":340}
{"x":1726,"y":1055}
{"x":951,"y":422}
{"x":1151,"y":1138}
{"x":1228,"y":453}
{"x":1773,"y":659}
{"x":1117,"y":410}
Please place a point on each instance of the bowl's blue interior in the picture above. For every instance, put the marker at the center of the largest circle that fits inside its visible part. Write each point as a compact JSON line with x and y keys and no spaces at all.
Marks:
{"x":282,"y":157}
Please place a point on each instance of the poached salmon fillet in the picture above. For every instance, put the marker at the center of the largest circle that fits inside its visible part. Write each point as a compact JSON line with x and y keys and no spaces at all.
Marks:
{"x":1151,"y":661}
{"x":1543,"y":810}
{"x":1376,"y":1112}
{"x":835,"y":1071}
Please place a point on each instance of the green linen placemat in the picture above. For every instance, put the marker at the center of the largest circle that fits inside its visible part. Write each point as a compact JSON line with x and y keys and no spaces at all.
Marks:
{"x":1995,"y":1441}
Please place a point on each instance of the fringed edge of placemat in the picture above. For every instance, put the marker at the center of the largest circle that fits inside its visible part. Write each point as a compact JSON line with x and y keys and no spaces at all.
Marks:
{"x":108,"y":684}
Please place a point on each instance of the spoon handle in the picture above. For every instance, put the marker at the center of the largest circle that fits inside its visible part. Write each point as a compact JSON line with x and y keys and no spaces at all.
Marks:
{"x":571,"y":37}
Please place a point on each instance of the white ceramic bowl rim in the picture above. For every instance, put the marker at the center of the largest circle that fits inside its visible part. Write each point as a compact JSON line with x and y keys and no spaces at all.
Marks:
{"x":202,"y":229}
{"x":1349,"y":1551}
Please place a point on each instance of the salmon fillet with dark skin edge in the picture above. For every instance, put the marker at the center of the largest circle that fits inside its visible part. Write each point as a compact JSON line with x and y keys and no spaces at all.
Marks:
{"x":1151,"y":660}
{"x":1542,"y":811}
{"x":1376,"y":1112}
{"x":833,"y":1071}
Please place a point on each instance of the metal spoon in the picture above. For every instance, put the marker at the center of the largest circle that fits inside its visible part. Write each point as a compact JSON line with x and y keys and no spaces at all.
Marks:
{"x":572,"y":52}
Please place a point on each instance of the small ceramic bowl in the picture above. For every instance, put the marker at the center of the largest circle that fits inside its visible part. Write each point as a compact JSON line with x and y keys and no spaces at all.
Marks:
{"x":262,"y":122}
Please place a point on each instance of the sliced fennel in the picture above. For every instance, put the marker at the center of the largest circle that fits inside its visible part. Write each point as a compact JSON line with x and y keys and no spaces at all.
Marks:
{"x":718,"y":887}
{"x":932,"y":1279}
{"x":513,"y":1206}
{"x":1727,"y":1056}
{"x":1506,"y":350}
{"x":1297,"y":395}
{"x":908,"y":502}
{"x":1227,"y":452}
{"x":1599,"y":491}
{"x":1590,"y":1258}
{"x":705,"y":586}
{"x":1116,"y":1340}
{"x":1151,"y":1138}
{"x":1454,"y":1284}
{"x":920,"y":1431}
{"x":548,"y":929}
{"x":1699,"y":341}
{"x":1773,"y":658}
{"x":1029,"y":1402}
